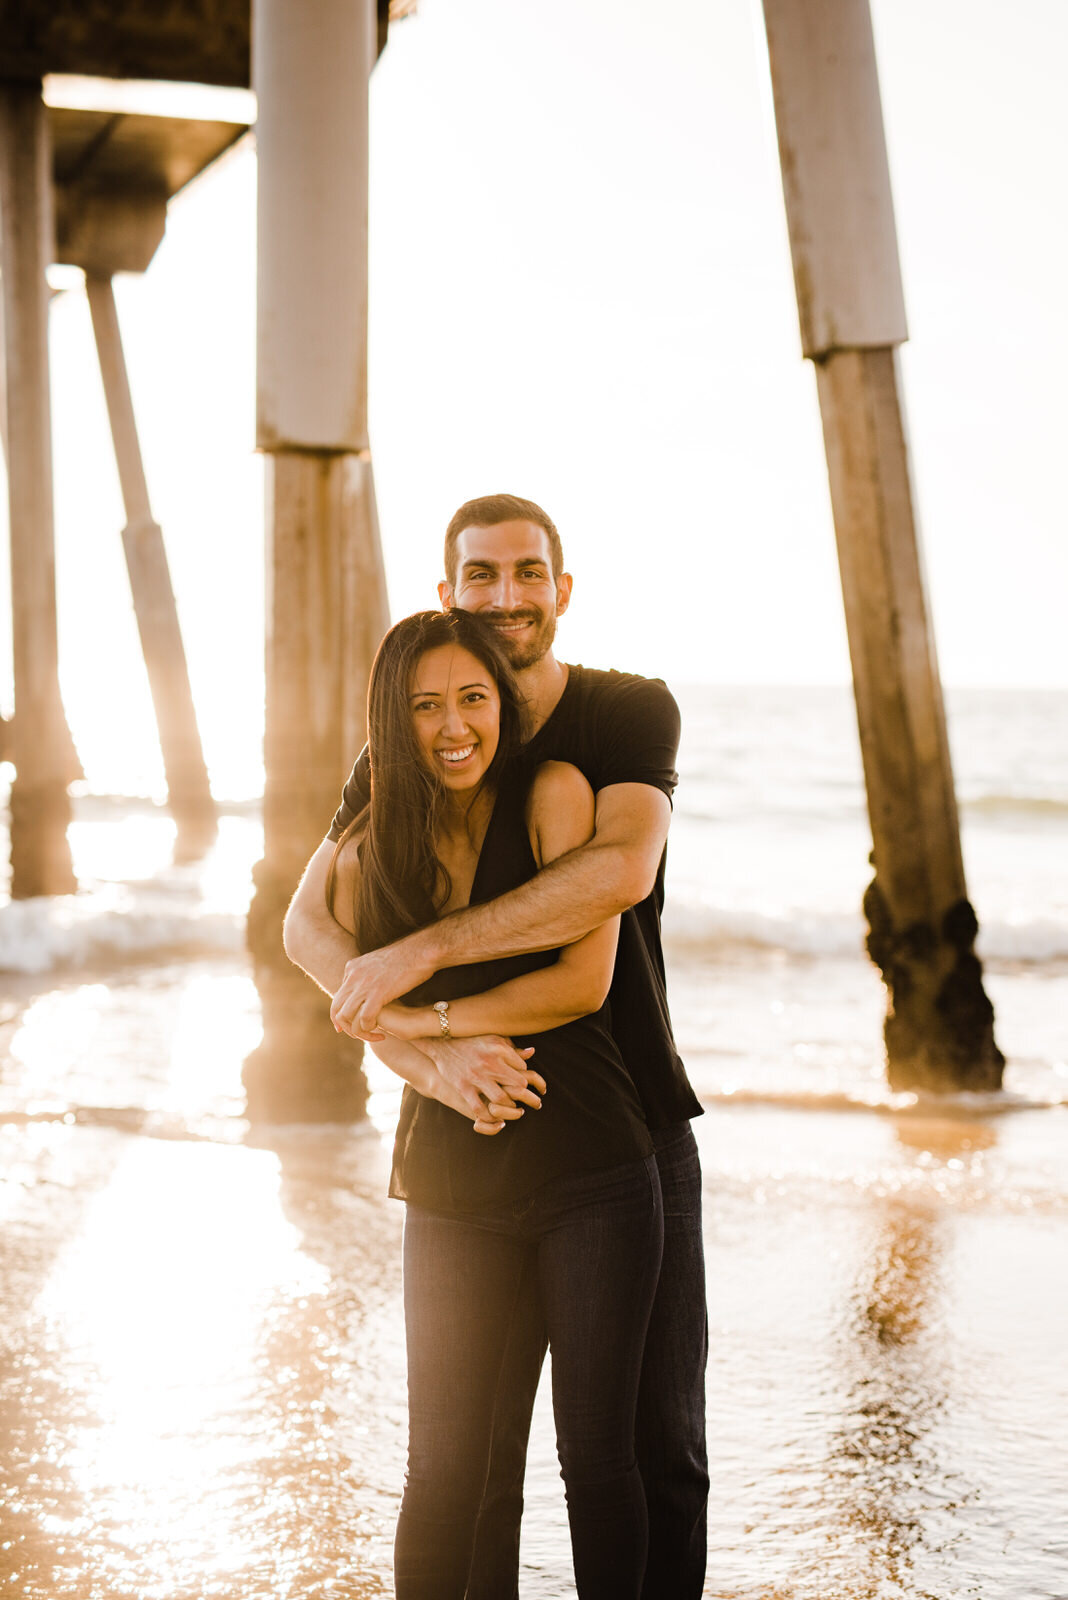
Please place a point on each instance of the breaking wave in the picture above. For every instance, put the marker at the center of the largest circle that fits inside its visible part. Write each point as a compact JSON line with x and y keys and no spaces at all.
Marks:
{"x":690,"y":928}
{"x":1027,"y":807}
{"x":118,"y":924}
{"x":883,"y":1101}
{"x":110,"y":925}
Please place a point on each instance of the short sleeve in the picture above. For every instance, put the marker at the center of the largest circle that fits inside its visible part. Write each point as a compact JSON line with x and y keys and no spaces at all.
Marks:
{"x":354,"y":796}
{"x":638,"y":735}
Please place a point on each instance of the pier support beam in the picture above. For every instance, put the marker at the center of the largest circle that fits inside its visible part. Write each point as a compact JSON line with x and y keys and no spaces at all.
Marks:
{"x":42,"y":746}
{"x":939,"y":1026}
{"x":153,"y":597}
{"x":326,"y":598}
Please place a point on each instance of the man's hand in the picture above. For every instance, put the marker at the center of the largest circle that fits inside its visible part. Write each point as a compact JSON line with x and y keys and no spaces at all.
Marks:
{"x":487,"y":1079}
{"x":372,"y":981}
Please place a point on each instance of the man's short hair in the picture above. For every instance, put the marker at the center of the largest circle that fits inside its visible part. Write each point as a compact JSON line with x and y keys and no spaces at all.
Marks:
{"x":490,"y":509}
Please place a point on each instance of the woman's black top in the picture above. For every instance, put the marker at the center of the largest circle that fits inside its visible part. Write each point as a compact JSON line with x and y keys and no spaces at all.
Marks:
{"x":615,"y":728}
{"x":590,"y":1118}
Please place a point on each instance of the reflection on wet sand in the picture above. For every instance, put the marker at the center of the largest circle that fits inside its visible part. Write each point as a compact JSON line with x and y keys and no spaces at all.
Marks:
{"x":202,"y":1368}
{"x":895,"y":1432}
{"x":194,"y":1346}
{"x":44,"y":1514}
{"x":205,"y":1436}
{"x":891,"y":1479}
{"x":885,"y":1472}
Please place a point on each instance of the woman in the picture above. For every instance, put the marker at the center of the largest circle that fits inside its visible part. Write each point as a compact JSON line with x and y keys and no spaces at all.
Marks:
{"x":568,"y":1191}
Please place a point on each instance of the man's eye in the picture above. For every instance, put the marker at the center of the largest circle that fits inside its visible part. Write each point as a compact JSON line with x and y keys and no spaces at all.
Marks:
{"x":530,"y":573}
{"x":478,"y":577}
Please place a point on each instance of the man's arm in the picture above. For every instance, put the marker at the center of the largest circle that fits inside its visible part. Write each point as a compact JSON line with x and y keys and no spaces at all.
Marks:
{"x":311,"y":938}
{"x":560,"y":904}
{"x":470,"y":1073}
{"x":560,"y":818}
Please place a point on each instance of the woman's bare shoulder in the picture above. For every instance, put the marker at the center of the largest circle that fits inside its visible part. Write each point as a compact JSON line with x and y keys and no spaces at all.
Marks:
{"x":560,"y":810}
{"x":558,"y":781}
{"x":344,"y":880}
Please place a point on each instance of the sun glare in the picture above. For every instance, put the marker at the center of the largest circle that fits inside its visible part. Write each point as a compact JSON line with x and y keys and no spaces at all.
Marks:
{"x":166,"y":1298}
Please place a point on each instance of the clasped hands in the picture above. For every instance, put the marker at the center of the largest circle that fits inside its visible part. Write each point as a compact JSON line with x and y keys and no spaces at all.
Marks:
{"x":484,"y":1078}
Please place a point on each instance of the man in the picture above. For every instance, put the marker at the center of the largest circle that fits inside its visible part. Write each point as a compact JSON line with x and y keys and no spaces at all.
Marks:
{"x":503,"y":559}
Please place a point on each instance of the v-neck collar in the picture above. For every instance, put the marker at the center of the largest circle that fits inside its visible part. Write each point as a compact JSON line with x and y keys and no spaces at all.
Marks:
{"x":471,"y":895}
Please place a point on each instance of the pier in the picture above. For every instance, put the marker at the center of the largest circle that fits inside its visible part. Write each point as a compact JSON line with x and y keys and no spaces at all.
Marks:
{"x":106,"y":182}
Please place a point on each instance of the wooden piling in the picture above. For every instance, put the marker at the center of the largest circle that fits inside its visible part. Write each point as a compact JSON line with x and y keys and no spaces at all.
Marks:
{"x":326,"y":612}
{"x":40,"y":805}
{"x":7,"y":747}
{"x":836,"y":182}
{"x":326,"y":600}
{"x":188,"y":789}
{"x":3,"y":372}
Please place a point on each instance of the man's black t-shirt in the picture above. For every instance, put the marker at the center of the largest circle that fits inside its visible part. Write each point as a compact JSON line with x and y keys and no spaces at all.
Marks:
{"x":616,"y":728}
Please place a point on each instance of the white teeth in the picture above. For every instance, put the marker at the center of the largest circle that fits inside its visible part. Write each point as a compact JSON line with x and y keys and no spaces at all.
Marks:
{"x":456,"y":755}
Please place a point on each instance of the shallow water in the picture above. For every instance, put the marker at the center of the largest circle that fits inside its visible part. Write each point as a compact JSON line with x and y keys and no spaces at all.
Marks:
{"x":201,"y":1379}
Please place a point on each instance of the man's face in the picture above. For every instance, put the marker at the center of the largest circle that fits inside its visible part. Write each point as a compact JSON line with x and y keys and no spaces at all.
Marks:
{"x":505,"y":573}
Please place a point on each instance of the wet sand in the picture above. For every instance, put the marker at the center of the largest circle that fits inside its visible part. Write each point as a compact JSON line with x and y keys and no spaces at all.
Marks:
{"x":202,"y":1372}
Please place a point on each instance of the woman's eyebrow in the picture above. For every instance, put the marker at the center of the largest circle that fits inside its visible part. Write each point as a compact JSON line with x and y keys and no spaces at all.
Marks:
{"x":423,"y":694}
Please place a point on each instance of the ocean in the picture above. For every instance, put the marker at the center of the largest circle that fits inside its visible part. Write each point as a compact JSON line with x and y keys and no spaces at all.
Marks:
{"x":768,"y":862}
{"x":202,"y":1377}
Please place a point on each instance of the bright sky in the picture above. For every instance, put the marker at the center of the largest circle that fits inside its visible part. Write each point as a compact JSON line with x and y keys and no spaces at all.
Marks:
{"x":581,"y":292}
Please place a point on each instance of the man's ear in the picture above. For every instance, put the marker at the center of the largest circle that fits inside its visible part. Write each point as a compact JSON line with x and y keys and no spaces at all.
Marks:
{"x":445,"y":595}
{"x":563,"y":593}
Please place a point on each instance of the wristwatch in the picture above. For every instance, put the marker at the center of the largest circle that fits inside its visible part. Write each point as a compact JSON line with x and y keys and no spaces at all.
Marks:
{"x":442,"y":1009}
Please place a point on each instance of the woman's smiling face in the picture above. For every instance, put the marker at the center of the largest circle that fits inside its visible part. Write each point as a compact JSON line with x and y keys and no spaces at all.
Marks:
{"x":456,"y":715}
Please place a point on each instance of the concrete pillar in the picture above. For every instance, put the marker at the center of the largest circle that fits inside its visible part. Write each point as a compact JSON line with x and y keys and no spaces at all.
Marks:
{"x":150,"y":584}
{"x":836,"y":181}
{"x":326,"y":599}
{"x":43,"y":751}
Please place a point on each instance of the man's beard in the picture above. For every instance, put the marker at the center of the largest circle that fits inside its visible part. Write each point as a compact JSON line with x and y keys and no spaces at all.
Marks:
{"x":529,"y":649}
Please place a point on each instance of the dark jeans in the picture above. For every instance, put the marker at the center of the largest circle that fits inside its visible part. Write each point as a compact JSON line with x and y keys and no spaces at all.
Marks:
{"x":587,"y":1251}
{"x":672,"y":1455}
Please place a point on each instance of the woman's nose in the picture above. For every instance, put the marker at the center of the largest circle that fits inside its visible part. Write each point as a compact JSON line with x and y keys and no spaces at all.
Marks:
{"x":454,"y":725}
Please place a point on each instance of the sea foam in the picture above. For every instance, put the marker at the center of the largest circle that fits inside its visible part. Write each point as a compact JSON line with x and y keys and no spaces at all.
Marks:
{"x":691,"y":927}
{"x":108,"y":925}
{"x":118,"y":923}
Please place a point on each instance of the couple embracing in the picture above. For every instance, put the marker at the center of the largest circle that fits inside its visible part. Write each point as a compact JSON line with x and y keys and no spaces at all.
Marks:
{"x":498,"y":863}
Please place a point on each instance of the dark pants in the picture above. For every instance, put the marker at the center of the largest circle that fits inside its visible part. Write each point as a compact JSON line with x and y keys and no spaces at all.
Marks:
{"x":586,"y":1251}
{"x":672,"y":1456}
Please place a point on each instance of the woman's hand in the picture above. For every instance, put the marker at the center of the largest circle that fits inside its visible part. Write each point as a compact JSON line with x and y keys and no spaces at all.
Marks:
{"x":485,"y":1071}
{"x":485,"y":1079}
{"x":482,"y":1078}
